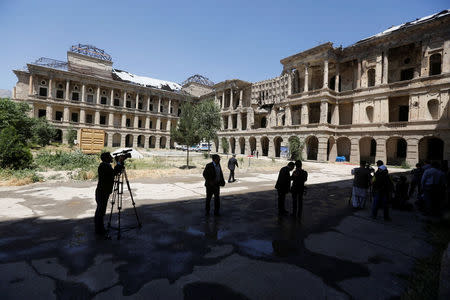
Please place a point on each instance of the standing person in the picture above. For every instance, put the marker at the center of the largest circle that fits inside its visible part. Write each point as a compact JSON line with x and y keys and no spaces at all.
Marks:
{"x":213,"y":181}
{"x":433,"y":187}
{"x":361,"y":183}
{"x":104,"y":188}
{"x":257,"y":153}
{"x":381,"y":188}
{"x":299,"y":177}
{"x":416,"y":179}
{"x":283,"y":186}
{"x":232,"y":164}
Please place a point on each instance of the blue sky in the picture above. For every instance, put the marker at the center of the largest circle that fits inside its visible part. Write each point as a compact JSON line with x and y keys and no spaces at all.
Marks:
{"x":172,"y":40}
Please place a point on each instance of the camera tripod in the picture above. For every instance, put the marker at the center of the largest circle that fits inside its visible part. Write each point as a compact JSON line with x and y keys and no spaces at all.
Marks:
{"x":117,"y":197}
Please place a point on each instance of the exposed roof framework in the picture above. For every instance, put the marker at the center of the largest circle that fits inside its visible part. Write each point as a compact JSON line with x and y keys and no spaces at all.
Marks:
{"x":50,"y":63}
{"x":198,"y":79}
{"x":91,"y":51}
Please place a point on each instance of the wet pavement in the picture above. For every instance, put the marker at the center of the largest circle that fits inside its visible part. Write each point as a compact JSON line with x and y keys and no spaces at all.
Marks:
{"x":48,"y":248}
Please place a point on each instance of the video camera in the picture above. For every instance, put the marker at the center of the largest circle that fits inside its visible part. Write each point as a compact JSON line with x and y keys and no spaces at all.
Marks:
{"x":125,"y":154}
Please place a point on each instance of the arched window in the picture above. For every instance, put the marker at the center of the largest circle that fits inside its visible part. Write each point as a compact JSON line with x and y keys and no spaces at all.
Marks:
{"x":433,"y":108}
{"x":371,"y":77}
{"x":435,"y":64}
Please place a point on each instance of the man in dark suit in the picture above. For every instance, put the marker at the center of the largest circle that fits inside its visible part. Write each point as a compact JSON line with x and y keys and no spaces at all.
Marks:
{"x":213,"y":181}
{"x":283,"y":186}
{"x":232,"y":164}
{"x":104,"y":188}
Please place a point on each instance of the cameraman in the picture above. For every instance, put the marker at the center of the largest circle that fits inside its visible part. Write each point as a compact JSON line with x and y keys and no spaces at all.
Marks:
{"x":104,"y":188}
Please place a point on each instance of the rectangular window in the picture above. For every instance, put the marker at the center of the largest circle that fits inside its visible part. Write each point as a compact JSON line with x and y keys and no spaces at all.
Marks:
{"x":403,"y":112}
{"x":43,"y":91}
{"x":116,"y":102}
{"x":151,"y":107}
{"x":74,"y":117}
{"x":128,"y":123}
{"x":102,"y":119}
{"x":90,"y":98}
{"x":103,"y":100}
{"x":129,"y":104}
{"x":42,"y":113}
{"x":407,"y":74}
{"x":60,"y":94}
{"x":75,"y":96}
{"x":161,"y":108}
{"x":171,"y":110}
{"x":151,"y":124}
{"x":140,"y":123}
{"x":58,"y":115}
{"x":140,"y":105}
{"x":89,"y":119}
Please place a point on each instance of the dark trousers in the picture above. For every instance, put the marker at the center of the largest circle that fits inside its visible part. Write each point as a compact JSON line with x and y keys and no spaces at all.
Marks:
{"x":231,"y":176}
{"x":102,"y":201}
{"x":210,"y":191}
{"x":380,"y":200}
{"x":281,"y":200}
{"x":297,"y":203}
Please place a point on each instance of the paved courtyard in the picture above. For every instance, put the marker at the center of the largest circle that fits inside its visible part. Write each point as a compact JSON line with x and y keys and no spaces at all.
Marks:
{"x":48,"y":248}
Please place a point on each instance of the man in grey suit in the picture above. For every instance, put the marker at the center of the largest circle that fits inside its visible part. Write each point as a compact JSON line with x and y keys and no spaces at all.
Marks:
{"x":232,"y":164}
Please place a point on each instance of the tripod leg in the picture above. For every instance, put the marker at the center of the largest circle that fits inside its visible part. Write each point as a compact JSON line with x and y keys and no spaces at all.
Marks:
{"x":132,"y":199}
{"x":113,"y":200}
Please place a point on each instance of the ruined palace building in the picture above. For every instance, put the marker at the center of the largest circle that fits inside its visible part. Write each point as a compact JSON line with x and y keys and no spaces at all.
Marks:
{"x":385,"y":97}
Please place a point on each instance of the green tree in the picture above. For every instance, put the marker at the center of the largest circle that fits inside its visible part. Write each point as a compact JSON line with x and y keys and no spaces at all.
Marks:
{"x":14,"y":114}
{"x":225,"y":145}
{"x":187,"y":131}
{"x":71,"y":136}
{"x":208,"y":115}
{"x":296,"y":148}
{"x":43,"y":132}
{"x":14,"y":153}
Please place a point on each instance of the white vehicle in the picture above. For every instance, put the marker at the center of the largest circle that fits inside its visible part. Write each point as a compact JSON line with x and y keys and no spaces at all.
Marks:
{"x":203,"y":147}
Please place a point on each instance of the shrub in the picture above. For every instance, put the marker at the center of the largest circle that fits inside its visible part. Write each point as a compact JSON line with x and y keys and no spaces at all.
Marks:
{"x":71,"y":136}
{"x":14,"y":153}
{"x":61,"y":160}
{"x":295,"y":148}
{"x":42,"y":132}
{"x":405,"y":165}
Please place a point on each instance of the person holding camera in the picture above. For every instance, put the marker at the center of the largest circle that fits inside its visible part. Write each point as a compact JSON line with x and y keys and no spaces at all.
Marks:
{"x":104,"y":188}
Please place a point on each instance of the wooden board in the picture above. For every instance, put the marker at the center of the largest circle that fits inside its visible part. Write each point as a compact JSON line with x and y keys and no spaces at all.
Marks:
{"x":92,"y":140}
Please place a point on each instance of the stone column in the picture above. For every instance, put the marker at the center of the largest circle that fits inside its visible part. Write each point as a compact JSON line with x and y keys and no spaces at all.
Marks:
{"x":137,"y":101}
{"x":223,"y":99}
{"x":135,"y":140}
{"x":97,"y":117}
{"x":379,"y":69}
{"x":157,"y":142}
{"x":124,"y":121}
{"x":122,"y":140}
{"x":222,"y":123}
{"x":358,"y":74}
{"x":146,"y":142}
{"x":147,"y":122}
{"x":66,"y":114}
{"x":67,"y":89}
{"x":272,"y":122}
{"x":82,"y":116}
{"x":111,"y":100}
{"x":110,"y":140}
{"x":231,"y":99}
{"x":287,"y":116}
{"x":338,"y":77}
{"x":168,"y":125}
{"x":241,"y":97}
{"x":50,"y":88}
{"x":49,"y":113}
{"x":159,"y":105}
{"x":30,"y":85}
{"x":220,"y":144}
{"x":239,"y":121}
{"x":250,"y":118}
{"x":230,"y":122}
{"x":305,"y":113}
{"x":325,"y":74}
{"x":336,"y":114}
{"x":124,"y":99}
{"x":322,"y":151}
{"x":354,"y":150}
{"x":147,"y":108}
{"x":271,"y":148}
{"x":289,"y":82}
{"x":385,"y":66}
{"x":381,"y":150}
{"x":135,"y":121}
{"x":259,"y":146}
{"x":111,"y":120}
{"x":83,"y":93}
{"x":323,"y":112}
{"x":412,"y":151}
{"x":98,"y":94}
{"x":305,"y":88}
{"x":170,"y":106}
{"x":158,"y":123}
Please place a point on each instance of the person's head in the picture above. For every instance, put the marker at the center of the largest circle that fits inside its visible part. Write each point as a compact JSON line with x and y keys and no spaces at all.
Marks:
{"x":419,"y":165}
{"x":106,"y":157}
{"x":234,"y":155}
{"x":298,"y":164}
{"x":362,"y":164}
{"x":380,"y":163}
{"x":291,"y":165}
{"x":215,"y":158}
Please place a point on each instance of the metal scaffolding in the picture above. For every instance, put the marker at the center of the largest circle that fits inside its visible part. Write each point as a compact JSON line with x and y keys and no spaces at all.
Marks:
{"x":198,"y":79}
{"x":91,"y":51}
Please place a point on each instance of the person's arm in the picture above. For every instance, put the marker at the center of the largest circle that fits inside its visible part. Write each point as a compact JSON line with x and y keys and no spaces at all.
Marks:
{"x":237,"y":164}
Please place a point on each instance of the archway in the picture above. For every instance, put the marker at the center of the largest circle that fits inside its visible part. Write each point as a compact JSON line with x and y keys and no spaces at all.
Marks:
{"x":277,"y":144}
{"x":396,"y":148}
{"x":233,"y":145}
{"x":140,"y":141}
{"x":129,"y":141}
{"x":252,"y":142}
{"x":152,"y":142}
{"x":331,"y":149}
{"x":116,"y":140}
{"x":242,"y":145}
{"x":58,"y":136}
{"x":343,"y":147}
{"x":265,"y":145}
{"x":431,"y":148}
{"x":311,"y":147}
{"x":367,"y":149}
{"x":162,"y":142}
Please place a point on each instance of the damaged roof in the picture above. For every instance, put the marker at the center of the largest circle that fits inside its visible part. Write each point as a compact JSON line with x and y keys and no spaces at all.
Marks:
{"x":145,"y":81}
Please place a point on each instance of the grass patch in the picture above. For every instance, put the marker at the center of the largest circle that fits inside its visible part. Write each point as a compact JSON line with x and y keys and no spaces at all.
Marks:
{"x":424,"y":281}
{"x":66,"y":160}
{"x":10,"y":177}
